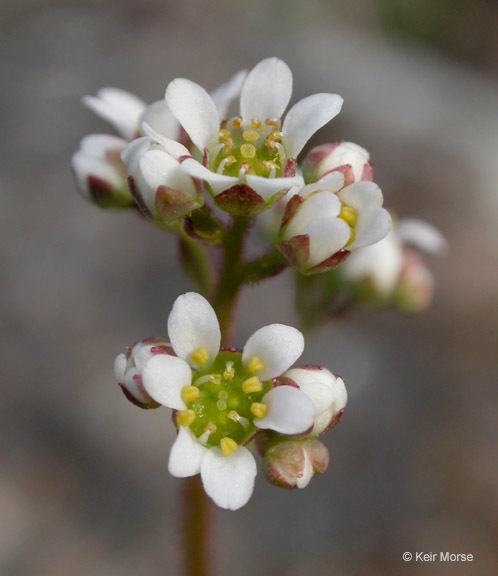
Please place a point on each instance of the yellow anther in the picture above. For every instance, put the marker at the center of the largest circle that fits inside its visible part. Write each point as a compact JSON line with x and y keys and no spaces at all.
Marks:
{"x":275,"y":135}
{"x":233,"y":415}
{"x":255,"y":123}
{"x":237,"y":122}
{"x":251,"y":385}
{"x":259,"y":410}
{"x":210,"y":427}
{"x":269,"y":165}
{"x":250,"y":135}
{"x":224,"y":134}
{"x":248,"y":150}
{"x":229,"y":160}
{"x":228,"y":446}
{"x":229,"y":372}
{"x":255,"y":364}
{"x":351,"y":237}
{"x":271,"y":122}
{"x":348,"y":215}
{"x":185,"y":417}
{"x":200,"y":356}
{"x":190,"y":393}
{"x":269,"y":143}
{"x":228,"y":145}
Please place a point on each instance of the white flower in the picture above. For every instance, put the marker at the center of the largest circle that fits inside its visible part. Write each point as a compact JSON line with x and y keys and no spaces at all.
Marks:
{"x":128,"y":369}
{"x":347,"y":157}
{"x":160,"y":188}
{"x":383,"y":263}
{"x":224,"y":396}
{"x":249,"y":161}
{"x":324,"y":222}
{"x":325,"y":390}
{"x":98,"y":172}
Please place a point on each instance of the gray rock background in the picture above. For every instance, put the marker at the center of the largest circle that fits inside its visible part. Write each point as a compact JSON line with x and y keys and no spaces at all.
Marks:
{"x":84,"y":488}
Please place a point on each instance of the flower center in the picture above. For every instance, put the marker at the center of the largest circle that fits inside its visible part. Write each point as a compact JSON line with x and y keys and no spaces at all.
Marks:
{"x":223,"y":401}
{"x":252,"y":148}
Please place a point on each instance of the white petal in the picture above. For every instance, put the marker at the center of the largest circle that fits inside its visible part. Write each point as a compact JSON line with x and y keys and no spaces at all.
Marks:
{"x":277,"y":346}
{"x":422,"y":235}
{"x":320,"y":205}
{"x":331,"y":182}
{"x":194,"y":109}
{"x":163,"y":378}
{"x":224,"y":94}
{"x":84,"y":166}
{"x":186,"y":454}
{"x":229,"y":480}
{"x":120,"y":367}
{"x":132,"y":153}
{"x":161,"y":119}
{"x":318,"y":384}
{"x":326,"y":237}
{"x":218,"y":182}
{"x":192,"y":324}
{"x":305,"y":479}
{"x":306,"y":117}
{"x":267,"y":187}
{"x":290,"y":411}
{"x":266,"y":90}
{"x":99,"y":144}
{"x":171,"y":146}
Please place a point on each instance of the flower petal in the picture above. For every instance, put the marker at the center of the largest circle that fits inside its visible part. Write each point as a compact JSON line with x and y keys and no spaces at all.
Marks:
{"x":163,"y":378}
{"x":218,"y":182}
{"x":161,"y":119}
{"x":422,"y":235}
{"x":229,"y":480}
{"x":186,"y":454}
{"x":331,"y":182}
{"x":267,"y":187}
{"x":290,"y":411}
{"x":224,"y":94}
{"x":266,"y":90}
{"x":192,"y":324}
{"x":172,"y":147}
{"x":99,"y":144}
{"x":308,"y":472}
{"x":306,"y":117}
{"x":322,"y":204}
{"x":277,"y":346}
{"x":318,"y":384}
{"x":193,"y":107}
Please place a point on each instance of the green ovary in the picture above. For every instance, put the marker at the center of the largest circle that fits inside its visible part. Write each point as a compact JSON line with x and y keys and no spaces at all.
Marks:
{"x":222,"y":408}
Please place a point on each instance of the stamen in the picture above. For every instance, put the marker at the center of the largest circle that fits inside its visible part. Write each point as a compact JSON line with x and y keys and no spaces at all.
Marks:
{"x":216,"y":378}
{"x":204,"y":379}
{"x":351,"y":237}
{"x":259,"y":410}
{"x":228,"y":446}
{"x":228,"y":161}
{"x":229,"y":372}
{"x":200,"y":356}
{"x":251,"y":385}
{"x":281,"y":152}
{"x":271,"y":121}
{"x":237,"y":121}
{"x":271,"y":167}
{"x":348,"y":215}
{"x":211,"y":428}
{"x":257,"y":125}
{"x":236,"y":417}
{"x":255,"y":364}
{"x":250,"y":135}
{"x":244,"y":167}
{"x":248,"y":150}
{"x":190,"y":393}
{"x":185,"y":417}
{"x":224,"y":134}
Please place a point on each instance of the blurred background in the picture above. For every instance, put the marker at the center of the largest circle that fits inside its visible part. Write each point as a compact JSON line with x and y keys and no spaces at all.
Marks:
{"x":84,"y":487}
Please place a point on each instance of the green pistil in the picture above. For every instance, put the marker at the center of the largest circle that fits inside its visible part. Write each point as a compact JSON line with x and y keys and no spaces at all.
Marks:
{"x":223,"y":409}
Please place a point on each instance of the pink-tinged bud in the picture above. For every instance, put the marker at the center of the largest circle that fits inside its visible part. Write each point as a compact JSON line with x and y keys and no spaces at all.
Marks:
{"x":293,"y":463}
{"x":128,"y":369}
{"x":99,"y":174}
{"x":325,"y":221}
{"x":415,"y":288}
{"x":160,"y":188}
{"x":327,"y":392}
{"x":346,"y":157}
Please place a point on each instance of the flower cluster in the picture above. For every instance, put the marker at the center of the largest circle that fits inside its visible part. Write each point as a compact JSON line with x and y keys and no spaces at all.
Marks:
{"x":222,"y":398}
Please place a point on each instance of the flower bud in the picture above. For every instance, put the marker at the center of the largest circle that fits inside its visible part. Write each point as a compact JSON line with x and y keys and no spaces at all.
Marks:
{"x":346,"y":157}
{"x":415,"y":288}
{"x":325,"y":221}
{"x":325,"y":390}
{"x":99,"y":174}
{"x":128,"y":369}
{"x":292,"y":463}
{"x":162,"y":191}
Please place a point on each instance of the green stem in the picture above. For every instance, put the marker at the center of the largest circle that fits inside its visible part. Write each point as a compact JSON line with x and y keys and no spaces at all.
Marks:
{"x":197,"y":529}
{"x":196,"y":262}
{"x":230,"y":278}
